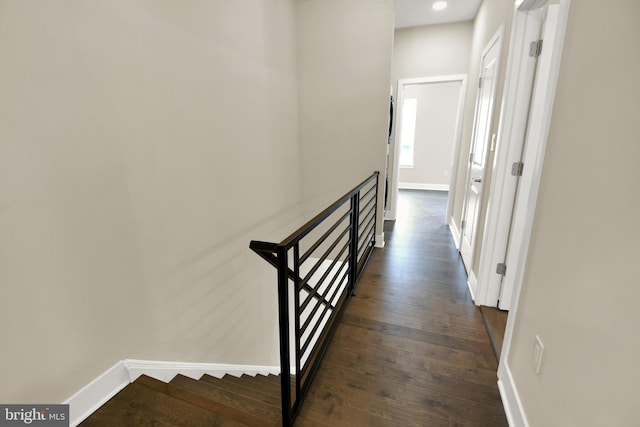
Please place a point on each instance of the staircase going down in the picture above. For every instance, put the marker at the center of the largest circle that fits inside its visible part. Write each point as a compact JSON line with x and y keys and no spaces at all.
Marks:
{"x":209,"y":401}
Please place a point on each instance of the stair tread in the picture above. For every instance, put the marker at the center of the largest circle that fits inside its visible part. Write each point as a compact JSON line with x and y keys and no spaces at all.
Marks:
{"x":199,"y":400}
{"x":248,"y":385}
{"x":143,"y":403}
{"x":265,"y":411}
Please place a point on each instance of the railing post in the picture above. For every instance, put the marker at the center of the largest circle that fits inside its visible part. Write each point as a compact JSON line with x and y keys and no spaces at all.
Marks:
{"x":375,"y":208}
{"x":353,"y":243}
{"x":283,"y":314}
{"x":296,"y":305}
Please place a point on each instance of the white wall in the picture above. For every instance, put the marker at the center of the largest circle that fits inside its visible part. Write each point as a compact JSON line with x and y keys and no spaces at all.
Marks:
{"x":126,"y":132}
{"x":580,"y":291}
{"x":437,"y":108}
{"x":433,"y":50}
{"x":344,"y":59}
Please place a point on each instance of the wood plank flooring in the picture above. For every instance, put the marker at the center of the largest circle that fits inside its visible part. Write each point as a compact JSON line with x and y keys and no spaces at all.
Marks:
{"x":496,"y":322}
{"x":411,"y":348}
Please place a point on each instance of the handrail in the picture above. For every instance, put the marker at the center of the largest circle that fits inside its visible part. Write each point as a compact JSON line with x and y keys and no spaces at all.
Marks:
{"x":320,"y":283}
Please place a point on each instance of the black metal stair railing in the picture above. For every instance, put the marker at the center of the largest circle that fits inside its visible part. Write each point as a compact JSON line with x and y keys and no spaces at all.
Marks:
{"x":318,"y":266}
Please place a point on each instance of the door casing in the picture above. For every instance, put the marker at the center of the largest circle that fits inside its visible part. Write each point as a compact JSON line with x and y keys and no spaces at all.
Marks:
{"x":468,"y":252}
{"x":391,"y":213}
{"x":528,"y":195}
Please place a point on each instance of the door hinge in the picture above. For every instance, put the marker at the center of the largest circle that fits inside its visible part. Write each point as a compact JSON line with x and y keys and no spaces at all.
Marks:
{"x":501,"y":268}
{"x":535,"y":48}
{"x":517,"y":168}
{"x":479,"y":82}
{"x":463,"y":223}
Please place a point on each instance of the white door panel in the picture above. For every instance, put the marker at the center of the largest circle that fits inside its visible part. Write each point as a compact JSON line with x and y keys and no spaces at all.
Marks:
{"x":479,"y":148}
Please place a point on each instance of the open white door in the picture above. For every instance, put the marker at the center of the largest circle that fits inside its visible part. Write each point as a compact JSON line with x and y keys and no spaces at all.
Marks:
{"x":533,"y":156}
{"x":514,"y":116}
{"x":485,"y":101}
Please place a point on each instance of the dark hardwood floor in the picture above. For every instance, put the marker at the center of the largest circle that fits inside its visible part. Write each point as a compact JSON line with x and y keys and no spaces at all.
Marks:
{"x":411,"y":348}
{"x":496,"y":322}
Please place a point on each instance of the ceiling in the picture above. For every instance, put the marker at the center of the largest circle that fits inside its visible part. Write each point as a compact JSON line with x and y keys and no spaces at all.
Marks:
{"x":413,"y":13}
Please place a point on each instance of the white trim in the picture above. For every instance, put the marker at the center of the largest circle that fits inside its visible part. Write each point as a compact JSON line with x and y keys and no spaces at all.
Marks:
{"x":457,"y":137}
{"x":95,"y":394}
{"x":472,"y":282}
{"x":511,"y":401}
{"x":468,"y":252}
{"x":420,"y":186}
{"x":455,"y":231}
{"x":379,"y":240}
{"x":514,"y":113}
{"x":392,"y":205}
{"x":165,"y":371}
{"x":504,"y":372}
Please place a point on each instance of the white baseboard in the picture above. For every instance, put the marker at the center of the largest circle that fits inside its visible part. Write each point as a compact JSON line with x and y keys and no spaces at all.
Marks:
{"x":95,"y":394}
{"x":511,"y":400}
{"x":419,"y":186}
{"x":165,"y":371}
{"x":455,"y":232}
{"x":99,"y":391}
{"x":380,"y":240}
{"x":472,"y":283}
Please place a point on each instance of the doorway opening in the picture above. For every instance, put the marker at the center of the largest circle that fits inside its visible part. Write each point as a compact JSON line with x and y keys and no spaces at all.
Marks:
{"x":426,"y":146}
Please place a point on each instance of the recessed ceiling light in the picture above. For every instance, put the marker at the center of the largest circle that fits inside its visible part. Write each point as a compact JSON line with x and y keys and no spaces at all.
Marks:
{"x":439,"y":5}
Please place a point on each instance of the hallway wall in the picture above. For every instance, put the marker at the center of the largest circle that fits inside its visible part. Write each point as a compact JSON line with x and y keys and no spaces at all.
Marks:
{"x":436,"y":113}
{"x":433,"y":50}
{"x":344,"y":60}
{"x":143,"y":144}
{"x":580,"y":290}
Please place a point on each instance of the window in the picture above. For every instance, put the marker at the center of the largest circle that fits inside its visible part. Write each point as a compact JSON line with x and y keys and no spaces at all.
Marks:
{"x":408,"y":131}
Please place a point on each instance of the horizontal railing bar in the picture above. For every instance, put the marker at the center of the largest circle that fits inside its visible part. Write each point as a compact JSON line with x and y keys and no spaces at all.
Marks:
{"x":324,"y":296}
{"x":366,"y":217}
{"x":324,"y":276}
{"x":367,"y":206}
{"x":317,"y":324}
{"x":364,"y":196}
{"x":363,"y":262}
{"x":366,"y":230}
{"x":321,"y":240}
{"x":273,"y":260}
{"x":364,"y":242}
{"x":369,"y":220}
{"x":324,"y":256}
{"x":297,"y":235}
{"x":322,"y":342}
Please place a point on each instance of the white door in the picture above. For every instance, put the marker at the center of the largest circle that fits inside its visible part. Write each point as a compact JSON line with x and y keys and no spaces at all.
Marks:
{"x":533,"y":155}
{"x":479,"y":148}
{"x":513,"y":125}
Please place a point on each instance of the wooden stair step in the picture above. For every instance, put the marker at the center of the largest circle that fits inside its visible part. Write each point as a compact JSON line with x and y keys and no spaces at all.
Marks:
{"x":216,"y":390}
{"x":267,"y":384}
{"x":249,"y":386}
{"x":149,"y":402}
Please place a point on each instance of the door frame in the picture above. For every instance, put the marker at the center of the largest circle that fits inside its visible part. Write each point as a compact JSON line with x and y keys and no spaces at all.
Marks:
{"x":496,"y":40}
{"x":508,"y":390}
{"x":514,"y":115}
{"x":394,"y":152}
